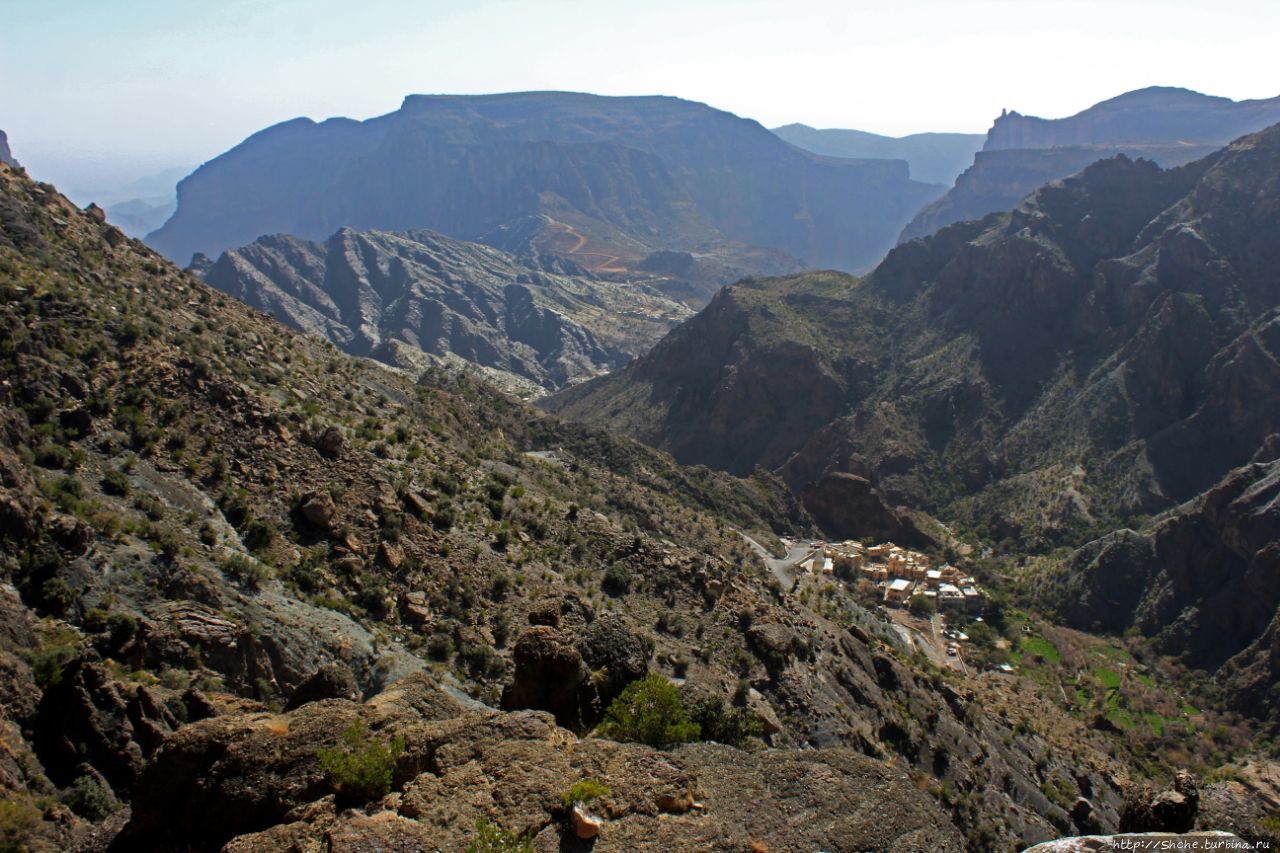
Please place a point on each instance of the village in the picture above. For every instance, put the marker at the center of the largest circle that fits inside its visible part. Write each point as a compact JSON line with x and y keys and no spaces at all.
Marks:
{"x":915,"y":596}
{"x":902,"y":575}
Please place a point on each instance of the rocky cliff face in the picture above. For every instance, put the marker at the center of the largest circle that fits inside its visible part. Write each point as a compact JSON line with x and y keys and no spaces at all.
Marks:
{"x":1170,"y":127}
{"x":1088,"y":357}
{"x":532,"y":325}
{"x":6,"y":156}
{"x":618,"y":178}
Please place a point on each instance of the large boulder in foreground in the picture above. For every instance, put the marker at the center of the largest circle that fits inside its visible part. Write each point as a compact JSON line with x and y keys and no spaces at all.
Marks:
{"x":254,"y":782}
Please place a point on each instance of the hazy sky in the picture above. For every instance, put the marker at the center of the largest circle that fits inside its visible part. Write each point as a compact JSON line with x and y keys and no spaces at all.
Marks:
{"x":94,"y":92}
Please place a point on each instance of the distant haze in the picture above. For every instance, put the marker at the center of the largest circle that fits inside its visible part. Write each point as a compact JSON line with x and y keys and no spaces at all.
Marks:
{"x":99,"y":94}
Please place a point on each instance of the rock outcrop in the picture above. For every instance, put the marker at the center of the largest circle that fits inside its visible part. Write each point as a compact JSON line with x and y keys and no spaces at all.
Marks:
{"x":415,"y":297}
{"x":1165,"y":125}
{"x":255,"y":782}
{"x":6,"y":156}
{"x":847,"y":505}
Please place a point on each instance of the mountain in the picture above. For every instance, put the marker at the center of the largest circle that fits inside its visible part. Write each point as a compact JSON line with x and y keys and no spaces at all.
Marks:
{"x":1104,"y":353}
{"x":1171,"y":127}
{"x":1087,"y":357}
{"x":1155,"y":114}
{"x":268,"y":595}
{"x":6,"y":156}
{"x":605,"y":182}
{"x":531,"y":325}
{"x":935,"y":158}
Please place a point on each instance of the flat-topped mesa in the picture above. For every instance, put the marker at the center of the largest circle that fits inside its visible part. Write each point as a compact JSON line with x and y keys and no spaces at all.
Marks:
{"x":628,"y":176}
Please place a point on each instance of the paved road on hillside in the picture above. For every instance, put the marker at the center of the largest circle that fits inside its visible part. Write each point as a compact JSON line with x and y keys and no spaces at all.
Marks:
{"x":782,"y":569}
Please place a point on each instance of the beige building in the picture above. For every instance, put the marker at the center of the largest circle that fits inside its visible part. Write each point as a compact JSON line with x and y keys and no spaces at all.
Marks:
{"x":898,"y":591}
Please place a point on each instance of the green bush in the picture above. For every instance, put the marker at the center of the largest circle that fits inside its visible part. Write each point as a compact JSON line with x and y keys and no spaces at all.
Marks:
{"x":58,"y":595}
{"x":583,"y":791}
{"x":90,"y":800}
{"x":723,"y":723}
{"x":18,"y":819}
{"x":246,"y":571}
{"x":116,"y":483}
{"x":617,"y":579}
{"x":491,"y":838}
{"x":649,"y":711}
{"x":52,"y":456}
{"x":920,"y":604}
{"x":361,"y":768}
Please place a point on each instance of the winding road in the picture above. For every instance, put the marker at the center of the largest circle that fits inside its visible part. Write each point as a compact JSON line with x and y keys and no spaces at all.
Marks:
{"x":607,"y":265}
{"x":782,"y":569}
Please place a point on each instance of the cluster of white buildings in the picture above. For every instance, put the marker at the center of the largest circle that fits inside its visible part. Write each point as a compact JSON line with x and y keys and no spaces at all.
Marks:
{"x":902,"y":574}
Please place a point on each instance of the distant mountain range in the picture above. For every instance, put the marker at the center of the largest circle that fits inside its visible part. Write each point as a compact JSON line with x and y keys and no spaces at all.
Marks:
{"x":1168,"y":126}
{"x":935,"y":158}
{"x":407,"y":298}
{"x":608,"y":181}
{"x":6,"y":156}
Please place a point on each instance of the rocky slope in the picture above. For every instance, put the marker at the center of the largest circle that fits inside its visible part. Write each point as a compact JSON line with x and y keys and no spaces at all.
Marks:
{"x":1171,"y":127}
{"x":1203,"y":582}
{"x":935,"y":158}
{"x":604,"y":181}
{"x":530,"y":325}
{"x":208,"y":519}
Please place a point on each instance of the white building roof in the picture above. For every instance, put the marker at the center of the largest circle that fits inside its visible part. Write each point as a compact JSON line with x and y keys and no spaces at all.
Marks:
{"x":900,"y":585}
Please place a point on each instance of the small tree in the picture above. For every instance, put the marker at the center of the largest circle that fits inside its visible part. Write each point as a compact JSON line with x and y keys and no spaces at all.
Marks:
{"x":649,"y":711}
{"x":920,"y":605}
{"x":361,"y":769}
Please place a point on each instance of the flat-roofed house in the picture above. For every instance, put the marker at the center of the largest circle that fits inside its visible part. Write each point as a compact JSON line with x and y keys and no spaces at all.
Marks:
{"x":898,"y":591}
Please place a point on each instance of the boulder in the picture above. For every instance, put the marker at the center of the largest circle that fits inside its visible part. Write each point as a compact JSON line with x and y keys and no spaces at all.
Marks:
{"x":549,"y":675}
{"x":586,"y":826}
{"x":330,"y":442}
{"x":319,"y":509}
{"x":1172,"y":810}
{"x":331,"y":681}
{"x":617,"y":655}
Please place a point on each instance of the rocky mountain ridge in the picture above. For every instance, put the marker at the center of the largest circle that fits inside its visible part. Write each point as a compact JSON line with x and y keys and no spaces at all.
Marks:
{"x":531,"y":325}
{"x":1170,"y":127}
{"x":617,"y":178}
